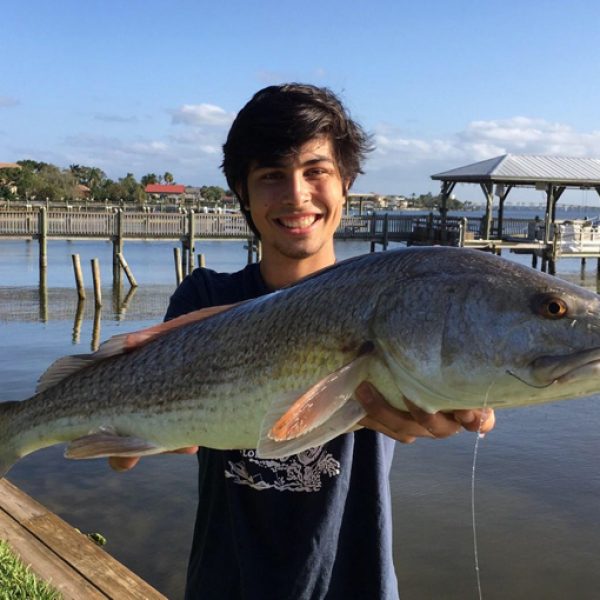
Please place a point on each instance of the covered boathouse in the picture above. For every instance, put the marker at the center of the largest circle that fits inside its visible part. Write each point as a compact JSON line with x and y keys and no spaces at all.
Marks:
{"x":498,"y":176}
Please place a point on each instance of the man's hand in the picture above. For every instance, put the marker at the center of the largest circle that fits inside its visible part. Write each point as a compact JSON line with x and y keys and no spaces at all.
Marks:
{"x":406,"y":427}
{"x":124,"y":463}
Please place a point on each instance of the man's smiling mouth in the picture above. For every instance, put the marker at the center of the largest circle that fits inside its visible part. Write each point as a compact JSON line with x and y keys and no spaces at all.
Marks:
{"x":298,"y":222}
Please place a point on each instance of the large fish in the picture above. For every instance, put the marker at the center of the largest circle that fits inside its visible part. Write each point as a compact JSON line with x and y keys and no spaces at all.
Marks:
{"x":447,"y":328}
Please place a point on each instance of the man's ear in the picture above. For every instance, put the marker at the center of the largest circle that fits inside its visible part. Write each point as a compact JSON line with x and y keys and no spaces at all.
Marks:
{"x":244,"y":200}
{"x":346,"y":187}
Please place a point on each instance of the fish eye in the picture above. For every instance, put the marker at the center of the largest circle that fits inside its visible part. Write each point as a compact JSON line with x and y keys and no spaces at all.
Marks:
{"x":552,"y":307}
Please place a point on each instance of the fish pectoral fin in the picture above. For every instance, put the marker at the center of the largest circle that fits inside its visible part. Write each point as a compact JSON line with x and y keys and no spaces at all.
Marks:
{"x":343,"y":420}
{"x":317,"y":416}
{"x":104,"y":443}
{"x":317,"y":404}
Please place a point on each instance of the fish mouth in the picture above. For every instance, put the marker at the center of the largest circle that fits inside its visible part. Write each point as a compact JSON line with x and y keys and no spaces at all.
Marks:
{"x":563,"y":369}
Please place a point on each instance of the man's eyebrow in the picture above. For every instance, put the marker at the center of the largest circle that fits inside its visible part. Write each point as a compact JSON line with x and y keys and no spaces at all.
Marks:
{"x":280,"y":162}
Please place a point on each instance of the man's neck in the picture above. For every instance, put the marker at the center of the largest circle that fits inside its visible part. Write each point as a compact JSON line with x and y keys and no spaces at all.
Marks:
{"x":279,"y":271}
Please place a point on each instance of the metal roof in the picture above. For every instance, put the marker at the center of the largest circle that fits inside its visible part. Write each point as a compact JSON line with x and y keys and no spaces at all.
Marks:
{"x":527,"y":169}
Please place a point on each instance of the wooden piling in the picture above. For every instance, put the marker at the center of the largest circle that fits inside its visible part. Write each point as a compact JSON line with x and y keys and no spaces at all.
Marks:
{"x":43,"y":238}
{"x":250,"y":251}
{"x":258,"y":249}
{"x":385,"y":231}
{"x":191,"y":242}
{"x":117,"y":245}
{"x":201,"y":261}
{"x":78,"y":276}
{"x":97,"y":282}
{"x":128,"y":273}
{"x":178,"y":269}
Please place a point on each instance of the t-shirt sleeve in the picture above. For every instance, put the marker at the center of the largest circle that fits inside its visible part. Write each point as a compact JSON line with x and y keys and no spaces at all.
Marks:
{"x":190,"y":295}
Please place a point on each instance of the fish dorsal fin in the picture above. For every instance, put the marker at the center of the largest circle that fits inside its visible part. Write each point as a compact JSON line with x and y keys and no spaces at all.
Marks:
{"x":122,"y":343}
{"x":136,"y":339}
{"x":318,"y":415}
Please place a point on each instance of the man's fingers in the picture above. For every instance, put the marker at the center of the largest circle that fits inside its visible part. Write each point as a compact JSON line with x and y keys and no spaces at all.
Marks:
{"x":440,"y":425}
{"x":122,"y":463}
{"x":399,"y":436}
{"x":385,"y":418}
{"x":481,"y":421}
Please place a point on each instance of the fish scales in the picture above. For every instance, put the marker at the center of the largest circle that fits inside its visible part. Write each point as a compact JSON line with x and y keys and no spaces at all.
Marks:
{"x":448,"y":328}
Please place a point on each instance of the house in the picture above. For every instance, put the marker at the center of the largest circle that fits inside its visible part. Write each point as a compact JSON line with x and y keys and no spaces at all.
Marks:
{"x":172,"y":193}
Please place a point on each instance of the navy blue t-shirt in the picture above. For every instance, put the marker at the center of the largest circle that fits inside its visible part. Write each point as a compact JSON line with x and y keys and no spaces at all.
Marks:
{"x":311,"y":526}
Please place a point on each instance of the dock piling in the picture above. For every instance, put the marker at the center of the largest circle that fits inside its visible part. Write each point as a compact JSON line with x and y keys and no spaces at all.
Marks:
{"x":78,"y":276}
{"x":178,"y":266}
{"x":97,"y":282}
{"x":128,"y":273}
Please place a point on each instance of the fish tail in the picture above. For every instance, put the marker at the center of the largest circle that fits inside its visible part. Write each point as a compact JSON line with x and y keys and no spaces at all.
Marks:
{"x":8,"y":454}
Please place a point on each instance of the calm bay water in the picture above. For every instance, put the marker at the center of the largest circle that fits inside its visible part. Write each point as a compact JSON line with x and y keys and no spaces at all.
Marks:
{"x":537,"y":483}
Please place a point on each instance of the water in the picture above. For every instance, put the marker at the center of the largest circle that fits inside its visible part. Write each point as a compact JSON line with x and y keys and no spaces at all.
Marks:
{"x":537,"y":483}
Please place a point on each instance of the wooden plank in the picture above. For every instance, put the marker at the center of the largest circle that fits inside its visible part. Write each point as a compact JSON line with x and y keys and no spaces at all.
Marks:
{"x":46,"y":564}
{"x":85,"y":558}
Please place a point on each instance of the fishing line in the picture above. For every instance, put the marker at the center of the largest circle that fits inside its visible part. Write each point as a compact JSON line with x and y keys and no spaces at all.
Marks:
{"x":473,"y":517}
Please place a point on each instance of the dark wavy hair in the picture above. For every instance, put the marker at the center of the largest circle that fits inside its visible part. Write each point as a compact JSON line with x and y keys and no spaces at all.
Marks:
{"x":277,"y":121}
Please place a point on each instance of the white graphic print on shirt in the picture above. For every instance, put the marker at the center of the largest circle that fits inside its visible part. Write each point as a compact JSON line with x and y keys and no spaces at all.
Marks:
{"x":298,"y":473}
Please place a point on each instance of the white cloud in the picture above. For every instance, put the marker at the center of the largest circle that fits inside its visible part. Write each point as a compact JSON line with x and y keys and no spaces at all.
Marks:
{"x":8,"y":101}
{"x":107,"y":118}
{"x":480,"y":140}
{"x":201,"y":114}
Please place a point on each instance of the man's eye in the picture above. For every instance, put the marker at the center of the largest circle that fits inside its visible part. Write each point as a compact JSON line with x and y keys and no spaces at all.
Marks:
{"x":271,"y":176}
{"x":317,"y":172}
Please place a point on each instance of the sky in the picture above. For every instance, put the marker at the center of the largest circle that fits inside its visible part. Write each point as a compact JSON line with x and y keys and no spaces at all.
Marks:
{"x":152,"y":86}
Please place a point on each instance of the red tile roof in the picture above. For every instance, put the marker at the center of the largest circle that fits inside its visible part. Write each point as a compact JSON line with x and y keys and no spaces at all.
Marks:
{"x":155,"y":188}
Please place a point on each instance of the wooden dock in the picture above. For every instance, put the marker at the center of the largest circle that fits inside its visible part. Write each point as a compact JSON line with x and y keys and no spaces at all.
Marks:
{"x":63,"y":557}
{"x":525,"y":236}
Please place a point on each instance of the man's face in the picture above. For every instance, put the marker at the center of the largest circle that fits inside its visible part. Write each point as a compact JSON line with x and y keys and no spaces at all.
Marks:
{"x":296,"y":204}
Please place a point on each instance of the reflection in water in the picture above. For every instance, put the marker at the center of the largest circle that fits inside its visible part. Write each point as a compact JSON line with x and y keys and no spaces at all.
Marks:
{"x":96,"y":328}
{"x":125,"y":304}
{"x":78,"y":320}
{"x":43,"y":295}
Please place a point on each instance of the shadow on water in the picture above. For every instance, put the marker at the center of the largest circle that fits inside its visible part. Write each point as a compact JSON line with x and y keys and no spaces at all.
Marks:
{"x":537,"y":484}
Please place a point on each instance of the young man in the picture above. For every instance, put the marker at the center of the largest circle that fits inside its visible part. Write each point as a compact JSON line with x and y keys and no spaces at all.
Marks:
{"x":318,"y":524}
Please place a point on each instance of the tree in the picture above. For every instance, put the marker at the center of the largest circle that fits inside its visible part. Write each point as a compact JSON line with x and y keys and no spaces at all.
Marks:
{"x":168,"y":177}
{"x":149,"y":179}
{"x":212,"y":193}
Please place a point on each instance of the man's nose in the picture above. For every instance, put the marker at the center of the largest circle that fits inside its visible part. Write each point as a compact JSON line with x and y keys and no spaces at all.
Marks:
{"x":298,"y":190}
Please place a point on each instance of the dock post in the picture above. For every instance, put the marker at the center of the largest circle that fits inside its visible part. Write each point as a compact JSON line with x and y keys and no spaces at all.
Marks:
{"x":78,"y":276}
{"x":97,"y":283}
{"x":178,"y":269}
{"x":201,"y":261}
{"x":191,"y":241}
{"x":117,"y":247}
{"x":250,"y":250}
{"x":534,"y":260}
{"x":128,"y":273}
{"x":257,"y":249}
{"x":384,"y":242}
{"x":462,"y":231}
{"x":43,"y":238}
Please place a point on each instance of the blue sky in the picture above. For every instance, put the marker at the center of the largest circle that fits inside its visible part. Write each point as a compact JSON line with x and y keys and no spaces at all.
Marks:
{"x":152,"y":86}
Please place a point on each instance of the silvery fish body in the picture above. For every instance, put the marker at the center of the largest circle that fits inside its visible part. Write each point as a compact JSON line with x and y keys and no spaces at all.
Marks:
{"x":448,"y":328}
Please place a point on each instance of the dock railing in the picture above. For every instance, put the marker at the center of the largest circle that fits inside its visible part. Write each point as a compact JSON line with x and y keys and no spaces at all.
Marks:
{"x":378,"y":228}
